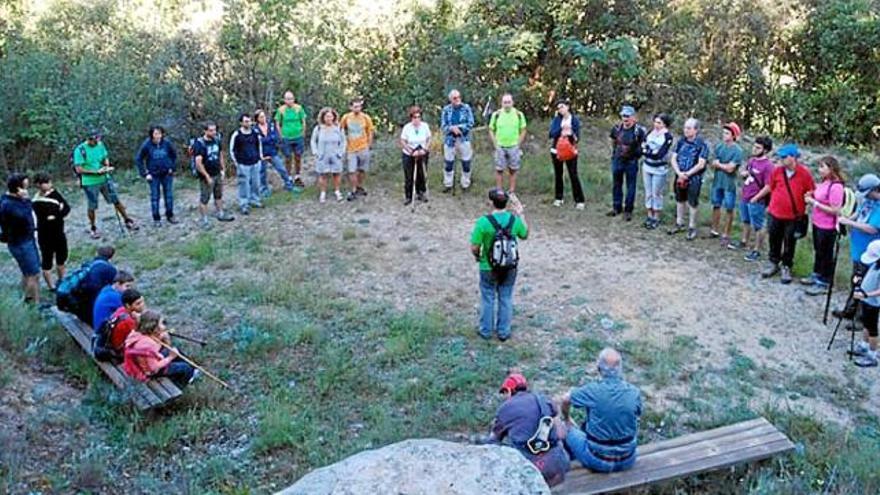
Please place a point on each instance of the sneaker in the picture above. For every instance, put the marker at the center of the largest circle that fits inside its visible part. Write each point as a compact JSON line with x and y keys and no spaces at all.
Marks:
{"x":195,"y":376}
{"x":714,"y":234}
{"x":298,"y":182}
{"x":338,"y":196}
{"x":752,"y":256}
{"x":173,"y":221}
{"x":447,"y":189}
{"x":817,"y":289}
{"x":421,"y":198}
{"x":869,"y":360}
{"x":205,"y":223}
{"x":736,"y":245}
{"x":809,"y":280}
{"x":257,"y":205}
{"x":725,"y":241}
{"x":157,"y":223}
{"x":351,"y":196}
{"x":558,"y":202}
{"x":692,"y":234}
{"x":94,"y":234}
{"x":361,"y":191}
{"x":223,"y":216}
{"x":579,"y":206}
{"x":612,"y":213}
{"x":628,"y":216}
{"x":244,"y":210}
{"x":861,"y":348}
{"x":323,"y":197}
{"x":785,"y":278}
{"x":131,"y":225}
{"x":770,"y":270}
{"x":655,"y":223}
{"x":407,"y":201}
{"x":677,"y":228}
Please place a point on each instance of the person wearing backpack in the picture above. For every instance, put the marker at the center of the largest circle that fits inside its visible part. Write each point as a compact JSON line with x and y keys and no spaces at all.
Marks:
{"x":18,"y":231}
{"x":144,"y":357}
{"x":290,"y":121}
{"x":156,"y":161}
{"x":92,"y":164}
{"x":507,"y":129}
{"x":525,"y":421}
{"x":626,"y":149}
{"x":246,"y":150}
{"x":50,"y":207}
{"x":755,"y":195}
{"x":108,"y":341}
{"x":210,"y":167}
{"x":76,"y":293}
{"x":655,"y":149}
{"x":494,"y":245}
{"x":789,"y":185}
{"x":826,"y":202}
{"x":110,"y":298}
{"x":456,"y":122}
{"x":270,"y":139}
{"x":689,"y":163}
{"x":565,"y":132}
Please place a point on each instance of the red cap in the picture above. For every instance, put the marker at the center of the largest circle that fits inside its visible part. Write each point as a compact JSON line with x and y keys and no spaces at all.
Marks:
{"x":513,"y":381}
{"x":734,"y":129}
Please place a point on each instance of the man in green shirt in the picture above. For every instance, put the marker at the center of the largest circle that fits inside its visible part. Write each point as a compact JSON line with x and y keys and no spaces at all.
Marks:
{"x":91,"y":161}
{"x":290,"y":119}
{"x":507,"y":131}
{"x":728,"y":159}
{"x":496,"y":285}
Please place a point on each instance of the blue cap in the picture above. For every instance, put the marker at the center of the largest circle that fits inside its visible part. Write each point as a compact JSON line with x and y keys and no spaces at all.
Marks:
{"x":627,"y":111}
{"x":788,"y":150}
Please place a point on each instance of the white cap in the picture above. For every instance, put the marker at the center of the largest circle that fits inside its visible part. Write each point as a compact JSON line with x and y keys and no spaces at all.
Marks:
{"x":872,"y":254}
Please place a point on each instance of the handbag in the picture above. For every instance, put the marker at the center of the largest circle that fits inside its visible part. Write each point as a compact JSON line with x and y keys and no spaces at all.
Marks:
{"x":801,"y":222}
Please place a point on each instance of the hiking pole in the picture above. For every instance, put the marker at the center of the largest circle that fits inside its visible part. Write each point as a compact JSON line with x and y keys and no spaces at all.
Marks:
{"x":415,"y":181}
{"x":115,"y":209}
{"x":188,"y":339}
{"x":192,"y":363}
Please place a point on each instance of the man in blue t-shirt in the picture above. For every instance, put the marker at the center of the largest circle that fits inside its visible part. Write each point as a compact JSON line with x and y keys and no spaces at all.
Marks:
{"x":864,"y":227}
{"x":689,"y":163}
{"x":110,"y":298}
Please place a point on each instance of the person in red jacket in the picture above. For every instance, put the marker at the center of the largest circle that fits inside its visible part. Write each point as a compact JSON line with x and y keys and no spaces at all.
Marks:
{"x":145,"y":357}
{"x":789,"y":184}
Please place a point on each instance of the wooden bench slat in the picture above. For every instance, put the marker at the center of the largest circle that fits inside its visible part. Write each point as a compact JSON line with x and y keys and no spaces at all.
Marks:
{"x":153,"y":393}
{"x":703,"y":435}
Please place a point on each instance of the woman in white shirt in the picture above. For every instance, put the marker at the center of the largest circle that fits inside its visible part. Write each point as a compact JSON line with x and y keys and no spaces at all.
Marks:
{"x":415,"y":141}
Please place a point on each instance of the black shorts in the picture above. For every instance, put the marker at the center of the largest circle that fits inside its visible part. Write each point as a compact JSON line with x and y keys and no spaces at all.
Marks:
{"x":689,"y":194}
{"x":869,"y":318}
{"x":53,"y":248}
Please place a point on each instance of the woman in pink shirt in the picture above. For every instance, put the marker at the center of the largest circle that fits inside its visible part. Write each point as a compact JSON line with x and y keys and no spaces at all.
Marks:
{"x":826,"y":202}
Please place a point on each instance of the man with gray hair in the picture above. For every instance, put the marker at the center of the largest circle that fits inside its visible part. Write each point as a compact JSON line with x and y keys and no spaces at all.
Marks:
{"x":456,"y":121}
{"x":689,"y":163}
{"x":608,"y":437}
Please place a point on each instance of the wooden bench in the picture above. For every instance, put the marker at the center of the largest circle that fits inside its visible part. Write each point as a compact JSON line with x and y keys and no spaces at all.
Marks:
{"x":684,"y":456}
{"x":153,"y":393}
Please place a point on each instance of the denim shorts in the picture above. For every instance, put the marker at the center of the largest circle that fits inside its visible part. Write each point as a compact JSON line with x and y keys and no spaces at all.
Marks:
{"x":295,"y":146}
{"x":723,"y":198}
{"x":753,"y":214}
{"x":27,"y":257}
{"x":107,"y":189}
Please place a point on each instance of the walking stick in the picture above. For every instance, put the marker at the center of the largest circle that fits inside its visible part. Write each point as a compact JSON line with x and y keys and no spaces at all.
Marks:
{"x":192,"y":363}
{"x":189,"y":339}
{"x":116,"y":210}
{"x":415,"y":181}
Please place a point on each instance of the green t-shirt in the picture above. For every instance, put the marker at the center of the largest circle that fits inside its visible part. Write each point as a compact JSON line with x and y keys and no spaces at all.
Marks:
{"x":484,"y":234}
{"x":507,"y":126}
{"x":291,"y":121}
{"x":93,"y":160}
{"x":727,"y":154}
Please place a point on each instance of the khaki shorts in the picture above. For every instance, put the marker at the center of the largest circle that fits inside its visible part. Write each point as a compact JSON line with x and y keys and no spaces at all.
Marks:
{"x":215,"y":190}
{"x":508,"y":158}
{"x":463,"y":148}
{"x":359,"y":161}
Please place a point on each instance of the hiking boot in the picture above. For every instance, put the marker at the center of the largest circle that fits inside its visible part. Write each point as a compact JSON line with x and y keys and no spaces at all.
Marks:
{"x":361,"y":191}
{"x":323,"y":197}
{"x":244,"y":210}
{"x":420,"y":197}
{"x":338,"y":196}
{"x":785,"y":278}
{"x":351,"y":196}
{"x":628,"y":216}
{"x":558,"y":202}
{"x":579,"y":206}
{"x":172,"y":221}
{"x":752,"y":256}
{"x":223,"y":216}
{"x":131,"y":225}
{"x":811,"y":280}
{"x":692,"y":234}
{"x":817,"y":289}
{"x":770,"y":270}
{"x":868,"y":360}
{"x":736,"y":245}
{"x":612,"y":213}
{"x":861,"y":348}
{"x":676,"y":229}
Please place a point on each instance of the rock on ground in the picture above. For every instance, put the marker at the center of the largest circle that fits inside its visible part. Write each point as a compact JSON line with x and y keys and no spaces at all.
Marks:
{"x":426,"y":467}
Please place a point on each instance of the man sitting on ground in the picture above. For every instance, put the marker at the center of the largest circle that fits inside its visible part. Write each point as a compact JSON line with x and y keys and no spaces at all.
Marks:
{"x":109,"y":339}
{"x":525,"y":421}
{"x":608,"y":440}
{"x":110,"y":298}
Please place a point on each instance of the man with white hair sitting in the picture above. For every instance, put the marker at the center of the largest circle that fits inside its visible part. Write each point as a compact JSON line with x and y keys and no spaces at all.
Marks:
{"x":607,"y":442}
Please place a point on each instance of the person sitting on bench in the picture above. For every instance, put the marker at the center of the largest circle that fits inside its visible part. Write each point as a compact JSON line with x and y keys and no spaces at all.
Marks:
{"x":607,"y":442}
{"x":110,"y":298}
{"x":146,"y":357}
{"x":525,"y":420}
{"x":109,"y":339}
{"x":77,"y":292}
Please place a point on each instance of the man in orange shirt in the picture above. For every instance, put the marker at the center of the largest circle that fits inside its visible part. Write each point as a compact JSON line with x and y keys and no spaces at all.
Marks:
{"x":358,"y":129}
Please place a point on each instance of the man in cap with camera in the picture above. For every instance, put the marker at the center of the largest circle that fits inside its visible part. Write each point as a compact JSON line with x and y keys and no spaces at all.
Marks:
{"x":92,"y":163}
{"x":864,"y":227}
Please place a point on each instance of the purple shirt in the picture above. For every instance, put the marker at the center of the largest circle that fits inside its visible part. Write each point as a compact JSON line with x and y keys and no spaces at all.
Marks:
{"x":760,"y":171}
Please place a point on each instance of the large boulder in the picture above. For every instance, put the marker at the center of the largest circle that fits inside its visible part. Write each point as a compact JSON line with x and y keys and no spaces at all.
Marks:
{"x":429,"y":467}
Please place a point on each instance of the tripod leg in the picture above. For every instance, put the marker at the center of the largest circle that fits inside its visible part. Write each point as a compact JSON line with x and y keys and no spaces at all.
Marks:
{"x":834,"y":334}
{"x":852,"y":338}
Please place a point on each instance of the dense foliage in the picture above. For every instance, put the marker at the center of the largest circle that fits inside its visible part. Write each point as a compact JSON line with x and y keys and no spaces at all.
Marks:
{"x":808,"y":70}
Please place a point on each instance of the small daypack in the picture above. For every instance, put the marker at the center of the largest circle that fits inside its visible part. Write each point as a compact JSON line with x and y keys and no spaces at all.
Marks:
{"x":190,"y":152}
{"x":504,"y":254}
{"x":67,"y":291}
{"x":71,"y":161}
{"x":101,"y":340}
{"x":565,"y":149}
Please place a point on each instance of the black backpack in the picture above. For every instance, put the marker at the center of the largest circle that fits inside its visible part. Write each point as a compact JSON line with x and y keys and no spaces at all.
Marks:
{"x":504,"y":254}
{"x":71,"y":162}
{"x":101,"y":339}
